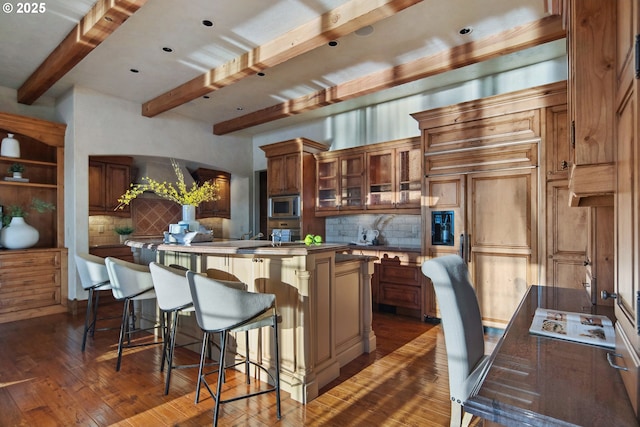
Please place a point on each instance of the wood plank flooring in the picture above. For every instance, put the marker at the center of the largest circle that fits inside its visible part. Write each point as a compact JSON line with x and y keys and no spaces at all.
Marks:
{"x":45,"y":380}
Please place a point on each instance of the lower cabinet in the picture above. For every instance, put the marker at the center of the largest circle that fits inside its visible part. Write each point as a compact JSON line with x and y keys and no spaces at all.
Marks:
{"x":403,"y":287}
{"x":122,"y":252}
{"x":33,"y":283}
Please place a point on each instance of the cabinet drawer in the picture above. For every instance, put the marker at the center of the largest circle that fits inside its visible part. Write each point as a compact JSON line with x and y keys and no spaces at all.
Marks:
{"x":400,"y":295}
{"x":30,"y":260}
{"x":29,"y":290}
{"x":404,"y":274}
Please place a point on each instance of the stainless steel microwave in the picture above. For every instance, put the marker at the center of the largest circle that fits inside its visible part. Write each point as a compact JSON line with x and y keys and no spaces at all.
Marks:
{"x":284,"y":207}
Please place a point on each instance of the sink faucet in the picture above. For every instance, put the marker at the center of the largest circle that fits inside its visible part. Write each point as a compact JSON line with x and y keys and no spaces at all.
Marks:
{"x":257,"y":236}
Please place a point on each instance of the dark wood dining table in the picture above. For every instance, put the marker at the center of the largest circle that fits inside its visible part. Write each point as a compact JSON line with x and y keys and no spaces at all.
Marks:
{"x":541,"y":381}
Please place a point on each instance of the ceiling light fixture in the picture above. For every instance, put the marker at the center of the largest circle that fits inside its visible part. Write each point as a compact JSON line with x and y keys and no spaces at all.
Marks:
{"x":206,"y":97}
{"x":465,"y":31}
{"x":239,"y":108}
{"x":167,"y":49}
{"x":364,"y":31}
{"x":134,"y":70}
{"x":333,"y":43}
{"x":207,"y":23}
{"x":261,"y":73}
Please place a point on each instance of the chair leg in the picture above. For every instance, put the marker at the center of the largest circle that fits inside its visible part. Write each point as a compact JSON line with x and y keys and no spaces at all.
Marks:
{"x":165,"y":326}
{"x":86,"y":318}
{"x":205,"y":341}
{"x":466,"y":419}
{"x":223,"y":345}
{"x":456,"y":414}
{"x":95,"y":312}
{"x":277,"y":363}
{"x":124,"y":330}
{"x":247,"y":362}
{"x":172,"y":345}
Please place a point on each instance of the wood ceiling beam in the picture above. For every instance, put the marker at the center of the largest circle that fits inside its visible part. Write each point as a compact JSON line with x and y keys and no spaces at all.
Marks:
{"x":334,"y":24}
{"x":509,"y":41}
{"x":99,"y":23}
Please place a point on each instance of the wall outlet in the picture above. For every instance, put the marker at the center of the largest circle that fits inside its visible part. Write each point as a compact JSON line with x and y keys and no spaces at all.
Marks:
{"x":101,"y":228}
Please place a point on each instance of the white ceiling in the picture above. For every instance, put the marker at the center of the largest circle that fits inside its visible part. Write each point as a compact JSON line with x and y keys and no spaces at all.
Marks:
{"x":241,"y":25}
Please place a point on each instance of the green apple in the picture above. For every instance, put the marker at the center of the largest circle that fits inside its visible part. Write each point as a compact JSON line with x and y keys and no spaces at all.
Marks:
{"x":317,"y":239}
{"x":308,"y":239}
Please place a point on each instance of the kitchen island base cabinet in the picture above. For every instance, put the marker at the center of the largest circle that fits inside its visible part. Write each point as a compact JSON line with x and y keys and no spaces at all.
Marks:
{"x":326,"y":315}
{"x":323,"y":299}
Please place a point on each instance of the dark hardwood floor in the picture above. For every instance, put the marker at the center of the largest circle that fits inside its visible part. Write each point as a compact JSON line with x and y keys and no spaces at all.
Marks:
{"x":45,"y":380}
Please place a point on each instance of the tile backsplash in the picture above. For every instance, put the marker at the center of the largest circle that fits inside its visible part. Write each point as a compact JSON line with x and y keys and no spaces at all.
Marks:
{"x":150,"y":217}
{"x":395,"y":230}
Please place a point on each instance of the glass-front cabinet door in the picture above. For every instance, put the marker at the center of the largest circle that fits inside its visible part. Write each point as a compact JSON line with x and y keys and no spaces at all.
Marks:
{"x":409,"y":181}
{"x":352,"y":182}
{"x":380,"y":179}
{"x":328,"y":189}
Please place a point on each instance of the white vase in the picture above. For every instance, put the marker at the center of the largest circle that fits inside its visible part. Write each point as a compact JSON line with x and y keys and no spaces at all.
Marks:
{"x":18,"y":234}
{"x":17,"y":175}
{"x":189,"y":217}
{"x":10,"y":147}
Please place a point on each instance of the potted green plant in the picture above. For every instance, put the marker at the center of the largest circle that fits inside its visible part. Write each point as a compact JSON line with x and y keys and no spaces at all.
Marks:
{"x":16,"y":169}
{"x":124,"y":232}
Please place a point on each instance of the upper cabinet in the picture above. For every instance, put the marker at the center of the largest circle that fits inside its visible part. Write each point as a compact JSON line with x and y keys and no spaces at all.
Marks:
{"x":286,"y":161}
{"x":340,"y":181}
{"x":284,"y":175}
{"x":221,"y":208}
{"x":394,"y":176}
{"x":385,"y":176}
{"x":591,"y":40}
{"x":109,"y":178}
{"x":285,"y":165}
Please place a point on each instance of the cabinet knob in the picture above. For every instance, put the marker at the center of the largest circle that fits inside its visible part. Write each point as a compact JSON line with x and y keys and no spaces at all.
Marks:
{"x":606,"y":295}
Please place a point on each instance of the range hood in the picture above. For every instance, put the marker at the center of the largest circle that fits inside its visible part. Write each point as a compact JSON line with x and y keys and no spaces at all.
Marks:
{"x":592,"y":185}
{"x":161,"y":170}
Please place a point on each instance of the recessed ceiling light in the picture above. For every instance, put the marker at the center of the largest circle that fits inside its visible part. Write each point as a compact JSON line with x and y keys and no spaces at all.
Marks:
{"x":207,"y":23}
{"x":333,"y":43}
{"x":465,"y":31}
{"x":167,"y":49}
{"x":206,"y":97}
{"x":134,"y":70}
{"x":261,"y":73}
{"x":364,"y":31}
{"x":239,"y":108}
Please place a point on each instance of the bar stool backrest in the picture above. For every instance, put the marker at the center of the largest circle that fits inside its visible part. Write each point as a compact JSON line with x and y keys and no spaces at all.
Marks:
{"x":91,"y":269}
{"x":222,"y":306}
{"x":127,"y":279}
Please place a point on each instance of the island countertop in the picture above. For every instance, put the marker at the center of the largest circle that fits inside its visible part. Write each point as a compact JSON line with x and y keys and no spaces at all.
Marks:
{"x":240,"y":247}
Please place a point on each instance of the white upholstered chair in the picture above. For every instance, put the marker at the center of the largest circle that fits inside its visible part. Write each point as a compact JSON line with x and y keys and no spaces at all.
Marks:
{"x":224,"y":309}
{"x":130,"y":282}
{"x":94,"y":278}
{"x":463,"y":331}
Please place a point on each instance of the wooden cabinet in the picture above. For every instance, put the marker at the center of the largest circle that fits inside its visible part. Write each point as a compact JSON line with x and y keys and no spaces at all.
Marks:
{"x":284,"y":174}
{"x":340,"y":181}
{"x":291,"y":169}
{"x":627,"y":200}
{"x":399,"y":285}
{"x":221,"y":208}
{"x":33,"y":282}
{"x":591,"y":37}
{"x":115,"y":251}
{"x":394,"y":176}
{"x":109,"y":178}
{"x":481,"y":173}
{"x":378,"y":177}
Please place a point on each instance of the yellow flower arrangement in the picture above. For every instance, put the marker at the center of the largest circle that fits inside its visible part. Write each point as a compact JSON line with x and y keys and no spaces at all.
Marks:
{"x":207,"y":192}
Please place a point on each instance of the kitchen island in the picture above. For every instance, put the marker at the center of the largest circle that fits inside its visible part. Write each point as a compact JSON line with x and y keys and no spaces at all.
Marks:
{"x":323,"y":297}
